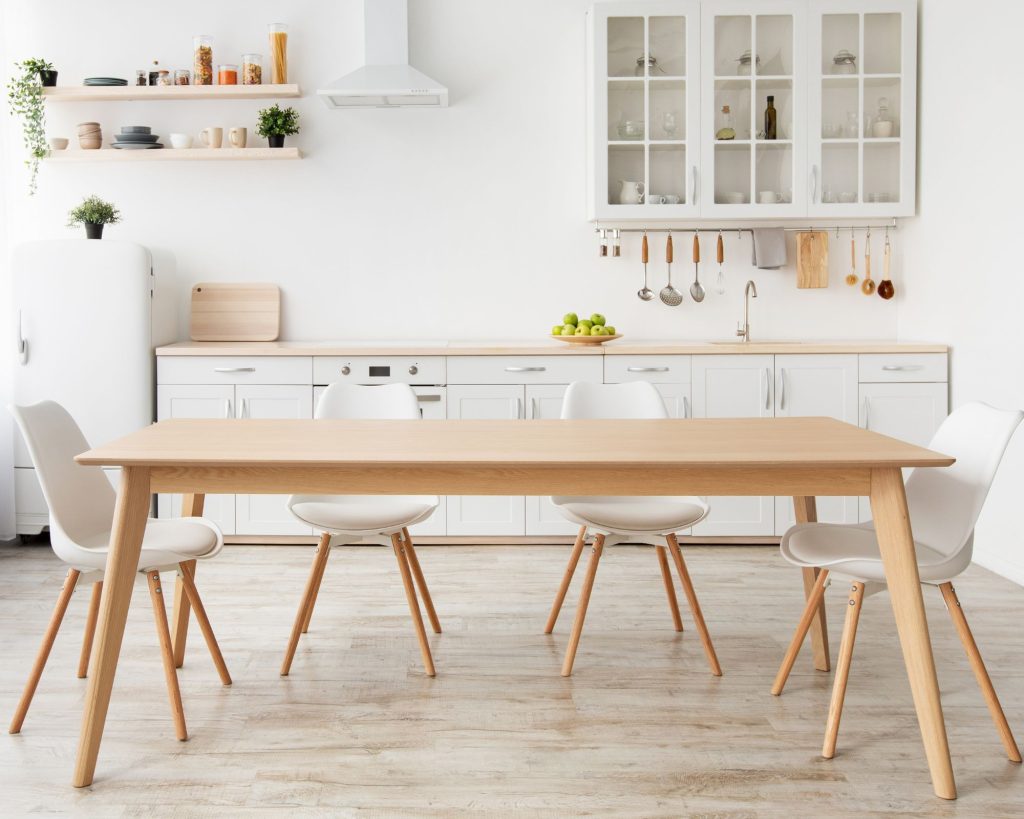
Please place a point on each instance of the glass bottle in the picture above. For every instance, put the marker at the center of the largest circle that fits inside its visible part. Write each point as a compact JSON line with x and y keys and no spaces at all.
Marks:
{"x":882,"y":125}
{"x":726,"y":131}
{"x":202,"y":61}
{"x":770,"y":119}
{"x":278,"y":53}
{"x":252,"y":69}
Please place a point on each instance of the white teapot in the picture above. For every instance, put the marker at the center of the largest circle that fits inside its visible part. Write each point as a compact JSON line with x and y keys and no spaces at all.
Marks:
{"x":631,"y":193}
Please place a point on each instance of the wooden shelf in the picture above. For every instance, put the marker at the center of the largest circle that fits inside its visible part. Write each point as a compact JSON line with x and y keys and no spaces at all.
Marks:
{"x":176,"y":155}
{"x":86,"y":93}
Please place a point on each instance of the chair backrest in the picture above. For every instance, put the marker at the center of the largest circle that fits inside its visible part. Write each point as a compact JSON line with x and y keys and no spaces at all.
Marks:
{"x":396,"y":402}
{"x":80,"y":498}
{"x":945,"y":504}
{"x":638,"y":399}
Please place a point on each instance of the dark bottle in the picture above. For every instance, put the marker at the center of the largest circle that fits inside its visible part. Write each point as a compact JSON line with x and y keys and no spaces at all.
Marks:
{"x":769,"y":119}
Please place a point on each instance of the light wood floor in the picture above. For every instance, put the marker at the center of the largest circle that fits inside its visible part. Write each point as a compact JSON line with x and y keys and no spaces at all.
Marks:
{"x":641,"y":729}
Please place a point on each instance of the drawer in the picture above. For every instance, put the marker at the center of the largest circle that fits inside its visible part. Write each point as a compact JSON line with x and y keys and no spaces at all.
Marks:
{"x":527,"y":369}
{"x":658,"y":369}
{"x":365,"y":369}
{"x":877,"y":368}
{"x":234,"y":370}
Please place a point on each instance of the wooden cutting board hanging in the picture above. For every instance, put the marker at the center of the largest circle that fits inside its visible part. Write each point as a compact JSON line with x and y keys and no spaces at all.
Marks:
{"x":235,"y":312}
{"x":812,"y":259}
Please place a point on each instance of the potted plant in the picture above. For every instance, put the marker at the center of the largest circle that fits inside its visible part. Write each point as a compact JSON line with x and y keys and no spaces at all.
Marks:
{"x":94,"y":213}
{"x":277,"y":123}
{"x":25,"y":100}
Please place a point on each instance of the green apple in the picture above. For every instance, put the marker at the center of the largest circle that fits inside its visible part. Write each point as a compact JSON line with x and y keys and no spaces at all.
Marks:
{"x":586,"y":323}
{"x":597,"y":318}
{"x":609,"y":331}
{"x":570,"y":318}
{"x":568,"y":329}
{"x":598,"y":330}
{"x":582,"y":330}
{"x":556,"y":330}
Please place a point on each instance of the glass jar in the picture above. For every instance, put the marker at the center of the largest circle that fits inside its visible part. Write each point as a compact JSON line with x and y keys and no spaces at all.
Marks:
{"x":844,"y":63}
{"x":278,"y":53}
{"x":141,"y":76}
{"x":227,"y":74}
{"x":252,"y":69}
{"x":164,"y":77}
{"x":202,"y":62}
{"x":182,"y":76}
{"x":743,"y":64}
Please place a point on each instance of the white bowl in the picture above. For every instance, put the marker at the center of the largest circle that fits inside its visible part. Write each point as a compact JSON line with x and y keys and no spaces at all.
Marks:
{"x":58,"y":143}
{"x":181,"y":140}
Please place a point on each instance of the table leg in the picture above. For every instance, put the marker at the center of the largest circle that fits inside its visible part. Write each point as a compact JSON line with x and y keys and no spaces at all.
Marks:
{"x":191,"y":507}
{"x":806,"y":511}
{"x":129,"y":526}
{"x":896,"y":543}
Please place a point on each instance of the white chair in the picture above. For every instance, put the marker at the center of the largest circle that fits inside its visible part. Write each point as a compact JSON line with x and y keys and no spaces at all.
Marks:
{"x":375,"y":518}
{"x":81,"y":502}
{"x":643,"y":519}
{"x":944,"y":506}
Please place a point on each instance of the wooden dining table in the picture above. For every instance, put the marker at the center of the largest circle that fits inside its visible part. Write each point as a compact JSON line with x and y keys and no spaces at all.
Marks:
{"x":800,"y":457}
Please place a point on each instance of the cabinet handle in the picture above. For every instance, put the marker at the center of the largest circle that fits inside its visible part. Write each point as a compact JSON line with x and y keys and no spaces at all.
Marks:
{"x":533,"y":409}
{"x":525,"y":369}
{"x":423,"y":399}
{"x":693,"y":185}
{"x":519,"y":409}
{"x":22,"y":344}
{"x":767,"y":389}
{"x":814,"y":184}
{"x":686,"y":407}
{"x":234,"y":369}
{"x":646,"y":369}
{"x":243,"y":410}
{"x":782,"y":388}
{"x":867,"y":412}
{"x":901,"y":368}
{"x":227,"y":407}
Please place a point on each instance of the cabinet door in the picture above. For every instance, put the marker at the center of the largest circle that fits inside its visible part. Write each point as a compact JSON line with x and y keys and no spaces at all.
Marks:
{"x":862,"y":116}
{"x":268,"y":514}
{"x":643,"y":107}
{"x":816,"y":385}
{"x":910,"y":412}
{"x":750,"y":52}
{"x":735,"y":386}
{"x":542,"y":518}
{"x":677,"y":399}
{"x":486,"y":514}
{"x":198,"y":401}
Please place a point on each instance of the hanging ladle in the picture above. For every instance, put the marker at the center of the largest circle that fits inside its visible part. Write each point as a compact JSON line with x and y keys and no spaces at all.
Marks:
{"x":645,"y":293}
{"x":669,"y":295}
{"x":885,"y":288}
{"x":697,"y":291}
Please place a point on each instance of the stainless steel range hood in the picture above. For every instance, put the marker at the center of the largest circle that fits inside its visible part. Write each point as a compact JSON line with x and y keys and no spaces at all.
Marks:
{"x":386,"y":80}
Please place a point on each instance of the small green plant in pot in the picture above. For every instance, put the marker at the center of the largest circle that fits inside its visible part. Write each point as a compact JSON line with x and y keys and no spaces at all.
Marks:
{"x":25,"y":100}
{"x":277,"y":123}
{"x":94,"y":213}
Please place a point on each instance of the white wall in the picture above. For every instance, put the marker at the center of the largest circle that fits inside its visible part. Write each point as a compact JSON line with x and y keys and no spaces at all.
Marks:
{"x":966,"y":283}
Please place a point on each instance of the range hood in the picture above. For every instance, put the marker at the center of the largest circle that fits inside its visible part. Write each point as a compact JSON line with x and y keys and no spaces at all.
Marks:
{"x":386,"y":80}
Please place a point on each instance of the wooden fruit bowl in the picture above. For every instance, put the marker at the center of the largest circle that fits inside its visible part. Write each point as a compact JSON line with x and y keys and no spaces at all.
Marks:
{"x":587,"y":339}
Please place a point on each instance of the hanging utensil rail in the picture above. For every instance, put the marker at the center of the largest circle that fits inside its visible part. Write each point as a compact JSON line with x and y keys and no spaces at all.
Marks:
{"x":735,"y":230}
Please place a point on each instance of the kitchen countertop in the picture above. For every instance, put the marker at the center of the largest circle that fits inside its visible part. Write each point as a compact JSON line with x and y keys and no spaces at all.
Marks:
{"x":618,"y":347}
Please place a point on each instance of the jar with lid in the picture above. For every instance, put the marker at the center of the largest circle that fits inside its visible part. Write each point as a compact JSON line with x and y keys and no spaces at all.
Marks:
{"x":252,"y":69}
{"x":182,"y":76}
{"x":651,"y":63}
{"x":743,"y":64}
{"x":141,"y":77}
{"x":882,"y":126}
{"x":164,"y":77}
{"x":844,"y":63}
{"x":278,"y":53}
{"x":227,"y":74}
{"x":202,"y":62}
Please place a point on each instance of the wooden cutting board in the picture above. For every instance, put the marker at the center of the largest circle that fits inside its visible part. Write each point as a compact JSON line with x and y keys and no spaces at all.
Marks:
{"x":812,"y":259}
{"x":235,"y":312}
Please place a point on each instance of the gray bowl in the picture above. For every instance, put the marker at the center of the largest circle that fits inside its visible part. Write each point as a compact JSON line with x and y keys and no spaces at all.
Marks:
{"x":136,"y":129}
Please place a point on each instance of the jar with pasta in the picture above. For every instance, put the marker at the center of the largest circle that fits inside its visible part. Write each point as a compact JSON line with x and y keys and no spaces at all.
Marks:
{"x":202,"y":68}
{"x":252,"y":69}
{"x":278,"y":53}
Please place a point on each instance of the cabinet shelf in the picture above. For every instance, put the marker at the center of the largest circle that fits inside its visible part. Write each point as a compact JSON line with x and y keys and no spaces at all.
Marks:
{"x":83,"y":93}
{"x":176,"y":155}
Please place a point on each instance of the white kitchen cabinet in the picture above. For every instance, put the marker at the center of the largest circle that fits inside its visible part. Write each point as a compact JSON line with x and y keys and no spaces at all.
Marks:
{"x":268,"y":514}
{"x":735,"y":386}
{"x":544,"y":402}
{"x":486,"y":514}
{"x":816,"y":385}
{"x":858,"y":165}
{"x":198,"y":401}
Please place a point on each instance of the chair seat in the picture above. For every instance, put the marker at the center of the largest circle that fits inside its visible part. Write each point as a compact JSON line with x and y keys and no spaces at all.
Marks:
{"x":853,"y":551}
{"x":653,"y":515}
{"x":166,"y":543}
{"x":362,"y":514}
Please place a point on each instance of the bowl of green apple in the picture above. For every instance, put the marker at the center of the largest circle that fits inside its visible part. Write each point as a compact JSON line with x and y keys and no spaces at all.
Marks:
{"x":593,"y":330}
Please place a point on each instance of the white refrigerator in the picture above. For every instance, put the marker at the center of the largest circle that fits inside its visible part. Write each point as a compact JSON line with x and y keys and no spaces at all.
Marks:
{"x":84,"y":317}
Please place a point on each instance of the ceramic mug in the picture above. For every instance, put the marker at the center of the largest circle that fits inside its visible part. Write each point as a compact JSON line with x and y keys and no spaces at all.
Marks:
{"x":237,"y":137}
{"x":181,"y":141}
{"x":670,"y":199}
{"x":769,"y":197}
{"x":212,"y":137}
{"x":655,"y":199}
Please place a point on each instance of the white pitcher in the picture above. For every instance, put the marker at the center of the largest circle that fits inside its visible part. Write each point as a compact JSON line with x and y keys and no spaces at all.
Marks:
{"x":631,"y":193}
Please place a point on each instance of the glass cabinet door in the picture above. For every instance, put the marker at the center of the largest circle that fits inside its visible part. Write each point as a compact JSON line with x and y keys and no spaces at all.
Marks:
{"x":643,"y":105}
{"x":752,"y":109}
{"x":862,"y":107}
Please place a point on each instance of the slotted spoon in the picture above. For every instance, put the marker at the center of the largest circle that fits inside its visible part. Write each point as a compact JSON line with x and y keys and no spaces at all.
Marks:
{"x":669,"y":295}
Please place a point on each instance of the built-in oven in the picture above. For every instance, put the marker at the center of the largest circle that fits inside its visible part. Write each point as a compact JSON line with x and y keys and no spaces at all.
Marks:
{"x":425,"y":374}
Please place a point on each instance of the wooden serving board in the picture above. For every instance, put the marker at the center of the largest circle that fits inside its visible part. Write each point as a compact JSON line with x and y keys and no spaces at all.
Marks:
{"x":812,"y":259}
{"x":235,"y":312}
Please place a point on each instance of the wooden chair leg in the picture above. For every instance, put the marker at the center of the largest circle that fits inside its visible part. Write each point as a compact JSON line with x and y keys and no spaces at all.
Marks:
{"x":570,"y":570}
{"x":835,"y":708}
{"x":44,"y":650}
{"x":421,"y":582}
{"x":980,"y":672}
{"x":180,"y":612}
{"x":204,"y":622}
{"x":581,"y":607}
{"x":325,"y":545}
{"x":306,"y":604}
{"x":810,"y":612}
{"x":163,"y":631}
{"x":691,"y":598}
{"x":90,"y":629}
{"x":414,"y":607}
{"x":670,"y":589}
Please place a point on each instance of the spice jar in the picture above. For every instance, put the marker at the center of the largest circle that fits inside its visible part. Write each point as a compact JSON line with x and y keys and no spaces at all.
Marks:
{"x":163,"y":77}
{"x":252,"y":69}
{"x":154,"y":73}
{"x":182,"y":76}
{"x":278,"y":53}
{"x":227,"y":75}
{"x":202,"y":64}
{"x":140,"y":77}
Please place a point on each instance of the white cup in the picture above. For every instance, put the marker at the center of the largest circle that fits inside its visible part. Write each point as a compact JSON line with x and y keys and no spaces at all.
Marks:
{"x":181,"y":140}
{"x":212,"y":137}
{"x":670,"y":199}
{"x":769,"y":197}
{"x":237,"y":137}
{"x":654,"y":199}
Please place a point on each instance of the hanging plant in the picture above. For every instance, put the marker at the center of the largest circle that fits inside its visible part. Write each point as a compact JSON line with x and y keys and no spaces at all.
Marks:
{"x":25,"y":100}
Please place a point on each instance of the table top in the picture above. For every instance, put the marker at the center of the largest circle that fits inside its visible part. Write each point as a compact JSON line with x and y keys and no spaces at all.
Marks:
{"x":592,"y":444}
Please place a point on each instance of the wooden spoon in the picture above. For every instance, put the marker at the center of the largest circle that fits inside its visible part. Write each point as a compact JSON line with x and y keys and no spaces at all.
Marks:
{"x":851,"y":277}
{"x":867,"y":287}
{"x":885,"y":288}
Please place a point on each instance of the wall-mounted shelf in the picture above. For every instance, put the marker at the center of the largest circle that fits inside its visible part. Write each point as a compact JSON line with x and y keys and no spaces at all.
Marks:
{"x":176,"y":155}
{"x":82,"y":93}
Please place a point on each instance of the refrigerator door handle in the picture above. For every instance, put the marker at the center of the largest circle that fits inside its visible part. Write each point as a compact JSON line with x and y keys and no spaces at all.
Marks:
{"x":22,"y":344}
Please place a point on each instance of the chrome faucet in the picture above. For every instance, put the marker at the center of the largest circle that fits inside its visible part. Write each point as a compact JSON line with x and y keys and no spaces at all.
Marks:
{"x":743,"y":331}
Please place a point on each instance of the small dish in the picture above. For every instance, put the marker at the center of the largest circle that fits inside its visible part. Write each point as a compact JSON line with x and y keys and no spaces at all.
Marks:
{"x":58,"y":143}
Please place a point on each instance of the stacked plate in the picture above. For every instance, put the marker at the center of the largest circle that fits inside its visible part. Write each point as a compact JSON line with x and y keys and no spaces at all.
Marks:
{"x":105,"y":81}
{"x":136,"y":138}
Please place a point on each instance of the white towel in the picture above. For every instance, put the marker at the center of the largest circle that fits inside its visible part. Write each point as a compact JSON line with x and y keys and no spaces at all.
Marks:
{"x":769,"y":248}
